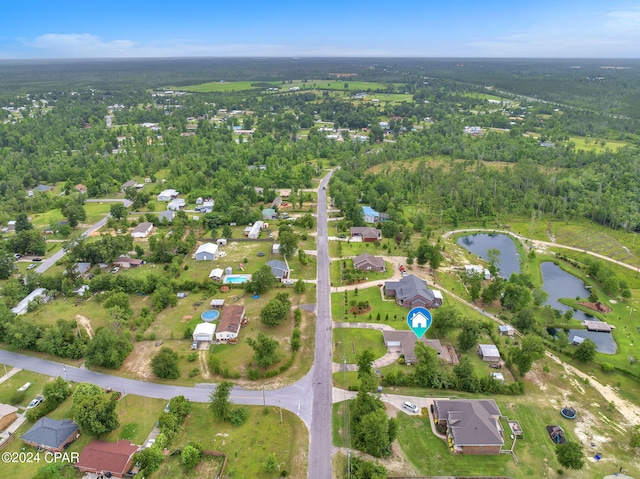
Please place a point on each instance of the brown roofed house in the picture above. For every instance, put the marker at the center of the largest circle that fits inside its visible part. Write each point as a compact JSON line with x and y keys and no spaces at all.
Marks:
{"x":405,"y":341}
{"x":81,"y":188}
{"x":368,"y":262}
{"x":102,"y":457}
{"x":229,"y":323}
{"x":126,"y":262}
{"x":473,"y":425}
{"x":367,"y":233}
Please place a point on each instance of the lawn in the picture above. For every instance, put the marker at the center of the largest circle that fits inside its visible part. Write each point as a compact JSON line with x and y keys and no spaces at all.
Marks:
{"x":248,"y":446}
{"x":9,"y":393}
{"x":354,"y":248}
{"x":349,"y":343}
{"x":337,"y":266}
{"x":596,"y":145}
{"x":222,"y":86}
{"x":388,"y":310}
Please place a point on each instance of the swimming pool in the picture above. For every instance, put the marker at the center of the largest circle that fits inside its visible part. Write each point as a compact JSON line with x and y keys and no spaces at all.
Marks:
{"x":210,"y":315}
{"x":237,"y":278}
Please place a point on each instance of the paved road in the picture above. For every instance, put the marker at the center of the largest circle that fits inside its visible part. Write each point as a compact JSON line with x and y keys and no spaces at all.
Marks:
{"x":295,"y":398}
{"x":53,"y":259}
{"x":320,"y":446}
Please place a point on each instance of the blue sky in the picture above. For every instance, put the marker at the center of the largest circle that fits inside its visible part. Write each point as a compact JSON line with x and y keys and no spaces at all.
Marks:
{"x":427,"y":28}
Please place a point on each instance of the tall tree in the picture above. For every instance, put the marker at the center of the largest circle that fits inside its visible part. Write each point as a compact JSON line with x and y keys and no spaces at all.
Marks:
{"x":264,"y":349}
{"x":219,"y":401}
{"x":94,"y":410}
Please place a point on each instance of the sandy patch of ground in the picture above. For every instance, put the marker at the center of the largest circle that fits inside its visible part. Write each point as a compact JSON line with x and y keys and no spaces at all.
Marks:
{"x":139,"y":361}
{"x":86,"y":324}
{"x":535,"y":376}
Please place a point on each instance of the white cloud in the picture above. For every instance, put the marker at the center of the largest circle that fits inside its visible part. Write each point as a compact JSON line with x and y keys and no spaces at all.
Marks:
{"x":84,"y":45}
{"x":623,"y":21}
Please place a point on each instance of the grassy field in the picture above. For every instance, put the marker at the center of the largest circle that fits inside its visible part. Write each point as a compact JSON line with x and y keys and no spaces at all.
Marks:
{"x":596,"y":145}
{"x":396,"y":314}
{"x":349,"y":343}
{"x":248,"y":446}
{"x":8,"y":390}
{"x":221,"y":87}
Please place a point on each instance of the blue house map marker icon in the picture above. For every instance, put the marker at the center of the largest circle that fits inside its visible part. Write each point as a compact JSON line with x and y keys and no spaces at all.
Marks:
{"x":419,"y":320}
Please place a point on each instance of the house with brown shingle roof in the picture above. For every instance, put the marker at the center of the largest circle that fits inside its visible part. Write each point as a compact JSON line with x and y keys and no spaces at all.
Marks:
{"x":473,"y":425}
{"x":405,"y":342}
{"x":81,"y":188}
{"x":229,"y":323}
{"x":367,"y":233}
{"x":100,"y":457}
{"x":368,"y":262}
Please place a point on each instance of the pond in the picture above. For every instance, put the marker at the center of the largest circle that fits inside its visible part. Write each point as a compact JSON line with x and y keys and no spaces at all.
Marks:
{"x":560,"y":284}
{"x":480,"y":244}
{"x":604,"y":341}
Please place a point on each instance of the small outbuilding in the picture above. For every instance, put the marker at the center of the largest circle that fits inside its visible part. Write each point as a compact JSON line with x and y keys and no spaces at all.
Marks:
{"x":506,"y":330}
{"x":216,"y":274}
{"x":142,"y":230}
{"x":489,"y":352}
{"x":221,"y":241}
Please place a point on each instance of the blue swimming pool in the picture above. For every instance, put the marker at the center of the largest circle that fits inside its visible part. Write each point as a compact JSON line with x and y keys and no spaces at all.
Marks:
{"x":210,"y":315}
{"x":237,"y":278}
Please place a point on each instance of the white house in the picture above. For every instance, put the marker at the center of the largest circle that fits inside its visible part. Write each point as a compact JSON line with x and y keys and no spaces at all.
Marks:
{"x":206,"y":252}
{"x":176,"y":204}
{"x":168,"y":195}
{"x":474,"y":269}
{"x":506,"y":330}
{"x":142,"y":230}
{"x":207,"y":205}
{"x":23,"y":305}
{"x":254,"y":233}
{"x":204,"y":332}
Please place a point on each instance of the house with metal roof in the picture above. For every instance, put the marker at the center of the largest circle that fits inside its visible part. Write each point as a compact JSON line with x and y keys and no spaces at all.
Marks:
{"x":489,"y":352}
{"x":472,"y":425}
{"x":206,"y":252}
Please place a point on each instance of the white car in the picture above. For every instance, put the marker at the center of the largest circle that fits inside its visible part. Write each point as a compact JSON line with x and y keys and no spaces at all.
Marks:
{"x":150,"y":443}
{"x":35,"y":402}
{"x":411,"y":407}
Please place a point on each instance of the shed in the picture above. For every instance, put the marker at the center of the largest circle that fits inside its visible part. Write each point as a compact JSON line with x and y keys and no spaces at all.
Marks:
{"x":228,"y":270}
{"x":204,"y":332}
{"x":217,"y":303}
{"x":489,"y":352}
{"x":577,"y":340}
{"x":275,"y":249}
{"x":221,"y":241}
{"x":206,"y":252}
{"x":142,"y":230}
{"x":216,"y":274}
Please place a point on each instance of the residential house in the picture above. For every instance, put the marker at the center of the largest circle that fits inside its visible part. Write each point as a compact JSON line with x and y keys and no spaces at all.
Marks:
{"x":489,"y":352}
{"x":167,"y":215}
{"x":412,"y":292}
{"x":142,"y":230}
{"x":277,"y":201}
{"x":367,"y":233}
{"x":51,"y":434}
{"x":23,"y":306}
{"x":254,"y":232}
{"x":477,"y":270}
{"x":230,"y":322}
{"x":204,"y":332}
{"x":405,"y":342}
{"x":168,"y":195}
{"x":206,"y":252}
{"x":279,"y":269}
{"x":285,"y":193}
{"x":81,"y":188}
{"x":125,"y":262}
{"x":372,"y":216}
{"x":8,"y":414}
{"x":368,"y":262}
{"x":44,"y":188}
{"x":472,"y":425}
{"x":506,"y":330}
{"x":176,"y":204}
{"x":128,"y":184}
{"x":207,"y":205}
{"x":269,"y":214}
{"x":107,"y":458}
{"x":81,"y":269}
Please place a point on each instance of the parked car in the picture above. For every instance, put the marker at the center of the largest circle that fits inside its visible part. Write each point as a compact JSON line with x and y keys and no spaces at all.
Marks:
{"x":166,"y":408}
{"x":35,"y":402}
{"x":115,"y":270}
{"x":31,"y":266}
{"x":411,"y":407}
{"x":36,"y":259}
{"x":150,"y":443}
{"x":194,"y":346}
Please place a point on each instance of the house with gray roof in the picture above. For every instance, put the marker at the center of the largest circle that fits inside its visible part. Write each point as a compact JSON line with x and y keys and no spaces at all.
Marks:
{"x":412,"y":292}
{"x":405,"y":342}
{"x":167,"y":215}
{"x":44,"y":188}
{"x":472,"y":425}
{"x":368,"y":262}
{"x":279,"y":269}
{"x":51,"y":434}
{"x":489,"y":352}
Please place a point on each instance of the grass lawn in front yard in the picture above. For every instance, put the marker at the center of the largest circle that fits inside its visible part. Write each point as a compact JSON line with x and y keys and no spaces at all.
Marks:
{"x":9,"y":393}
{"x":390,"y":313}
{"x":337,"y":278}
{"x":348,"y":343}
